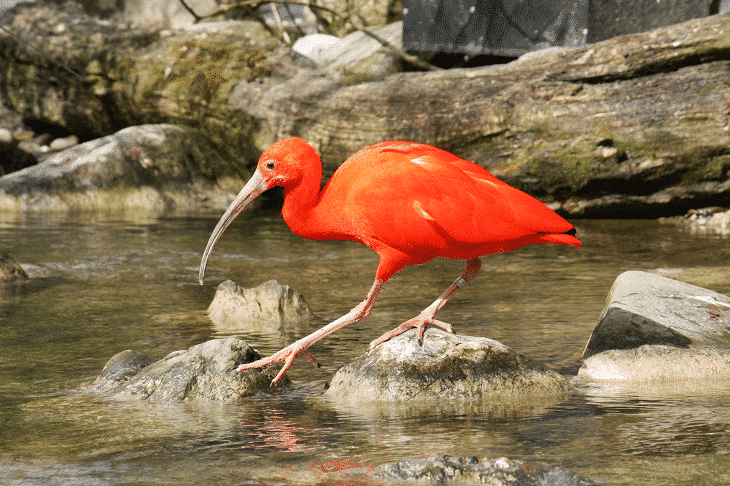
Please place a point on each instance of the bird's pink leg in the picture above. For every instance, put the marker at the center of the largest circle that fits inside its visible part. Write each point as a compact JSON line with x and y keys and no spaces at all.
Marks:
{"x":426,"y":316}
{"x":289,"y":353}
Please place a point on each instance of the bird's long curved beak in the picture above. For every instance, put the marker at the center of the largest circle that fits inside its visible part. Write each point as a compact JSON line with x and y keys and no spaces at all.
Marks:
{"x":253,"y":189}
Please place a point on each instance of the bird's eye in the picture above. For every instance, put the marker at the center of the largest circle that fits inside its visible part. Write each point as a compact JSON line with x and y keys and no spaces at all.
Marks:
{"x":270,"y":165}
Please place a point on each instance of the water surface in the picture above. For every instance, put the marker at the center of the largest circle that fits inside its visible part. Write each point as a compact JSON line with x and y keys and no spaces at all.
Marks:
{"x":101,"y":285}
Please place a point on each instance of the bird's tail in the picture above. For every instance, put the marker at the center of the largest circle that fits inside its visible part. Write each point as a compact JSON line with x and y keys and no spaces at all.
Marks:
{"x":567,"y":238}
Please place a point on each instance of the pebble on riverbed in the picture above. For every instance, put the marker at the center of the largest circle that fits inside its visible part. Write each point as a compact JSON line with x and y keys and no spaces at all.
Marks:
{"x":203,"y":372}
{"x":657,"y":328}
{"x":473,"y":470}
{"x":446,"y":366}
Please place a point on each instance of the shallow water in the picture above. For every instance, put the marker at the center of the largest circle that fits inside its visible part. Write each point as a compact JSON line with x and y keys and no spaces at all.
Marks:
{"x":102,"y":285}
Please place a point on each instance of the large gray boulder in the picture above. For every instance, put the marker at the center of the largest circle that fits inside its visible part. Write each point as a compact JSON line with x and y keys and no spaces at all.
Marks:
{"x":154,"y":167}
{"x":446,"y":366}
{"x":268,"y":306}
{"x":203,"y":372}
{"x":657,"y":328}
{"x":473,"y":470}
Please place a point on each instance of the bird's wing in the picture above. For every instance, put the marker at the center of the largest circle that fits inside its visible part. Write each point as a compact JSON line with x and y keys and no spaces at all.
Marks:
{"x":429,"y":202}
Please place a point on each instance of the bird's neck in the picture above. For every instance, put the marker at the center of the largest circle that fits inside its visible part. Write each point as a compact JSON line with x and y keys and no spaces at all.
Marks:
{"x":300,"y":202}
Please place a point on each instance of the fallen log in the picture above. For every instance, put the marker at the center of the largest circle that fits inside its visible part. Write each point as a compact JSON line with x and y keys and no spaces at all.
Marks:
{"x":638,"y":125}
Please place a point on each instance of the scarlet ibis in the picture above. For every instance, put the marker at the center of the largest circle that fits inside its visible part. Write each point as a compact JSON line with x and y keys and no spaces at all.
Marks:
{"x":407,"y":201}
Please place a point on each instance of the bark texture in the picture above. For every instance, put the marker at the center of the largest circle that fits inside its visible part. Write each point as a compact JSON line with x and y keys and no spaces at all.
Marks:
{"x":637,"y":125}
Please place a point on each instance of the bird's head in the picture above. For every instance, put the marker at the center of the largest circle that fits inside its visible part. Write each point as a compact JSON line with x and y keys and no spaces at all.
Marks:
{"x":279,"y":165}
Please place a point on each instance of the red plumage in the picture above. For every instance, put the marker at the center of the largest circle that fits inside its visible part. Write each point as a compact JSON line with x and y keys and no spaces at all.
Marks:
{"x":410,"y":203}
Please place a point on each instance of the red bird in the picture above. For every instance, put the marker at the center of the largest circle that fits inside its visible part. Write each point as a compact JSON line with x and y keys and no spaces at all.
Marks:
{"x":410,"y":203}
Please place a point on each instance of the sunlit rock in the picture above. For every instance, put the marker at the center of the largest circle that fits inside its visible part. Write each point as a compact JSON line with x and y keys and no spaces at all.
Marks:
{"x":359,"y":57}
{"x":10,"y":270}
{"x":203,"y":372}
{"x":63,"y":143}
{"x":152,"y":167}
{"x":657,"y":328}
{"x":316,"y":46}
{"x":267,"y":306}
{"x":447,"y":366}
{"x":473,"y":470}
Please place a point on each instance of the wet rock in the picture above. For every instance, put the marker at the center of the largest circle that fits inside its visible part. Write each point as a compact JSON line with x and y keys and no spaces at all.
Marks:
{"x":203,"y":372}
{"x":156,"y":167}
{"x":268,"y":305}
{"x":446,"y":366}
{"x":657,"y":328}
{"x":473,"y":470}
{"x":10,"y":270}
{"x":121,"y":368}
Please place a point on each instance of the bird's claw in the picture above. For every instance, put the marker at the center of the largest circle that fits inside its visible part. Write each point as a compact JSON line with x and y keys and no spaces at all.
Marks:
{"x":286,"y":355}
{"x":420,"y":323}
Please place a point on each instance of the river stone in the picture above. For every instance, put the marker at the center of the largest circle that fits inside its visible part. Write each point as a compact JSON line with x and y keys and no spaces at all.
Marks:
{"x":657,"y":328}
{"x":473,"y":470}
{"x":271,"y":304}
{"x":121,"y":368}
{"x":10,"y":270}
{"x":154,"y":167}
{"x":446,"y":366}
{"x":203,"y":372}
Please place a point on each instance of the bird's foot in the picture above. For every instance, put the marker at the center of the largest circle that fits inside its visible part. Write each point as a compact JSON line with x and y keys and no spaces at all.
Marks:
{"x":419,"y":322}
{"x":286,"y":355}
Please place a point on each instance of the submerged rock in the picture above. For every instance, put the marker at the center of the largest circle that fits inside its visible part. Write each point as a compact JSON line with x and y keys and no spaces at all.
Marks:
{"x":446,"y":366}
{"x":473,"y":470}
{"x":270,"y":304}
{"x":10,"y":270}
{"x":203,"y":372}
{"x":657,"y":328}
